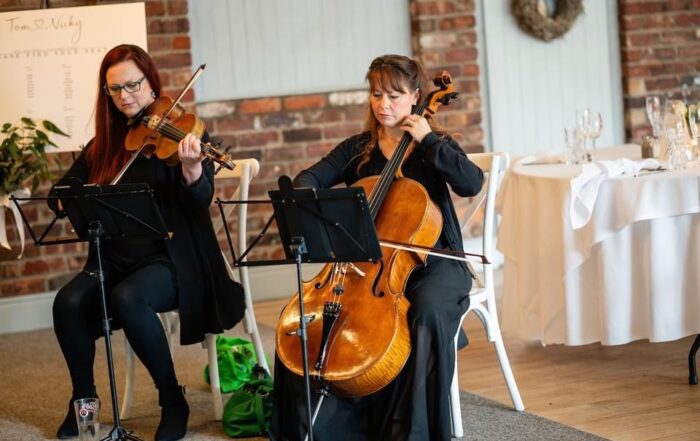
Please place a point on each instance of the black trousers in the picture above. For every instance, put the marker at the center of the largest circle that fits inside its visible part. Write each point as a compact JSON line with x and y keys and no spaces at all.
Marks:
{"x":134,"y":298}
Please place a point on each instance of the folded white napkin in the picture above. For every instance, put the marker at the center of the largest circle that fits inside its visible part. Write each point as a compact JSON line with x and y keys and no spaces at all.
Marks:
{"x":584,"y":187}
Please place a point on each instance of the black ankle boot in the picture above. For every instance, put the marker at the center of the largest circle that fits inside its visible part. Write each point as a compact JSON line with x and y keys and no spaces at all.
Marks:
{"x":69,"y":426}
{"x":173,"y":415}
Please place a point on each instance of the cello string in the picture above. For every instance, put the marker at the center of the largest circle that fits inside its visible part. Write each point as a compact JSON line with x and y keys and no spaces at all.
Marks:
{"x":386,"y":178}
{"x":338,"y":270}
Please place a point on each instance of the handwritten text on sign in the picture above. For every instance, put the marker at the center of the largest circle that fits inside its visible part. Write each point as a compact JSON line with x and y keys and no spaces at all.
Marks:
{"x":49,"y":60}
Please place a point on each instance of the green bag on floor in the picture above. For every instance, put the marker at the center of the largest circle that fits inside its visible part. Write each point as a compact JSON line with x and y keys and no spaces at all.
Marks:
{"x":236,"y":358}
{"x":248,"y":411}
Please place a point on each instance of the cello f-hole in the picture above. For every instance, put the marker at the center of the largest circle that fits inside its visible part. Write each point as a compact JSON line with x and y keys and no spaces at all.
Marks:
{"x":376,"y":281}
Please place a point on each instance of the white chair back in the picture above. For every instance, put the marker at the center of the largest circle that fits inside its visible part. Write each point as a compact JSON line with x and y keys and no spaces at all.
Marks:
{"x":482,"y":296}
{"x":494,"y":166}
{"x":243,"y":173}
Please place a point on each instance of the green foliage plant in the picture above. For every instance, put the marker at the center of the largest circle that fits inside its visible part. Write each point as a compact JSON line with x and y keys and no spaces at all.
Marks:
{"x":23,"y":154}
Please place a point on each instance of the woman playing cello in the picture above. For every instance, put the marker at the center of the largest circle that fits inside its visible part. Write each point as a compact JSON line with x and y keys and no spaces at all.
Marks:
{"x":146,"y":277}
{"x":414,"y":405}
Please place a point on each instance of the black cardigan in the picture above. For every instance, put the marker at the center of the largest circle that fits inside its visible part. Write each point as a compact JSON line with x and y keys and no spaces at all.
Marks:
{"x":435,"y":163}
{"x":208,"y":300}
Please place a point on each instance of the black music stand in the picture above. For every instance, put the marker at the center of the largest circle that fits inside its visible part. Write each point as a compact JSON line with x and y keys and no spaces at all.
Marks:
{"x":320,"y":226}
{"x":111,"y":212}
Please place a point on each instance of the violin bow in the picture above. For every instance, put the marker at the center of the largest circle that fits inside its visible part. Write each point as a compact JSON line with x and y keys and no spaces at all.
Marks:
{"x":136,"y":153}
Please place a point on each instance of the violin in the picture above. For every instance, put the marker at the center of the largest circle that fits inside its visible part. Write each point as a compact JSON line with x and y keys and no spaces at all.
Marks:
{"x":164,"y":133}
{"x":161,"y":126}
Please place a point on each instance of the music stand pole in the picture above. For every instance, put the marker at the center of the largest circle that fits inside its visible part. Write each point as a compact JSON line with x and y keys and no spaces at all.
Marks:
{"x":298,"y":248}
{"x":315,"y":226}
{"x":96,"y":233}
{"x":101,"y":213}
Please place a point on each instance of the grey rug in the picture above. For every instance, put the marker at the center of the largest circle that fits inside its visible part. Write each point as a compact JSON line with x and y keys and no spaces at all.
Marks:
{"x":34,"y":392}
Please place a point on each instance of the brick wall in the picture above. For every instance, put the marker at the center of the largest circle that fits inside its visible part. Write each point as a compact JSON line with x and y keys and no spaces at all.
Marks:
{"x":660,"y":44}
{"x":287,"y":133}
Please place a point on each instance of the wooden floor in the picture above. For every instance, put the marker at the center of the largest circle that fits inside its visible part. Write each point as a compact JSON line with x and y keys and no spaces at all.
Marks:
{"x":637,"y":391}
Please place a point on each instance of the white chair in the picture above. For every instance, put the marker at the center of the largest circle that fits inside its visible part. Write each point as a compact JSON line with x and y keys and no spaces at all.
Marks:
{"x":244,"y":172}
{"x":482,"y":296}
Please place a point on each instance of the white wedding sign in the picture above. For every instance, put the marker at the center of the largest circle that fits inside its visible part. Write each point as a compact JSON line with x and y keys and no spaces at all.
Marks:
{"x":49,"y":61}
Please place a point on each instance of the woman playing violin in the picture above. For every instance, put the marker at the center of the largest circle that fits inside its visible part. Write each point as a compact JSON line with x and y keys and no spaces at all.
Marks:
{"x":145,"y":277}
{"x":414,"y":405}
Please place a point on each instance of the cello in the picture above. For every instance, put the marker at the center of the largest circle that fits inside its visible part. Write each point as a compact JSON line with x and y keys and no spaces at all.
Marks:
{"x":357,"y":331}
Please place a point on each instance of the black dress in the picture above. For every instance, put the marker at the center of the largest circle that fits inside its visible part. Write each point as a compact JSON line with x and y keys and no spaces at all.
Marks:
{"x":415,"y":405}
{"x":208,"y":300}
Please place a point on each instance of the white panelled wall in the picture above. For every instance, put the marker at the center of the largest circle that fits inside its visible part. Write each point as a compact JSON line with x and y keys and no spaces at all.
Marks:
{"x":260,"y":48}
{"x":533,"y":88}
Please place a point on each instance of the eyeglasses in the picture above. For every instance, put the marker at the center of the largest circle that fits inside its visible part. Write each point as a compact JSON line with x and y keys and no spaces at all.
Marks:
{"x":130,"y":87}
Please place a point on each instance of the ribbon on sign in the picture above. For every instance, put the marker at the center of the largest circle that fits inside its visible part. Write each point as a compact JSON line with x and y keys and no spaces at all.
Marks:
{"x":6,"y":202}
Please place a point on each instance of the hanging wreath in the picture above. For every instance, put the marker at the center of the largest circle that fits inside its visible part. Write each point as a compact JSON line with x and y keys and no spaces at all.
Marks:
{"x":532,"y":17}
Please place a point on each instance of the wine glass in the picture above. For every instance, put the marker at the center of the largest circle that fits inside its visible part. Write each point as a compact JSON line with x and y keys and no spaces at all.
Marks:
{"x":583,"y":122}
{"x":653,"y":108}
{"x":595,"y":129}
{"x":693,"y":123}
{"x":675,"y":137}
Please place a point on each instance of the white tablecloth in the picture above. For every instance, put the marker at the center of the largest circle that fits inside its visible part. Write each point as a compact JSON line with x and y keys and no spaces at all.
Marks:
{"x":631,"y":272}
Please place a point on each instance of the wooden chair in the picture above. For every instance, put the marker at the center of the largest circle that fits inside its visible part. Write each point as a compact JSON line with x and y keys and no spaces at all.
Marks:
{"x":482,"y":296}
{"x":243,"y":173}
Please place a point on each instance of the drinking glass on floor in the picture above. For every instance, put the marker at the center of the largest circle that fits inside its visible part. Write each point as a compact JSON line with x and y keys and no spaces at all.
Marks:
{"x":87,"y":411}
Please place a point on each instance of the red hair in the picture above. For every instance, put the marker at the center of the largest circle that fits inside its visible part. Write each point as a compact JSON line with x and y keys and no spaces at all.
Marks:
{"x":107,"y":155}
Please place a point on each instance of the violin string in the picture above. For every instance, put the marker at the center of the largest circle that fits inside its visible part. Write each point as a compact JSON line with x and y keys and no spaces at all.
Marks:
{"x":177,"y":134}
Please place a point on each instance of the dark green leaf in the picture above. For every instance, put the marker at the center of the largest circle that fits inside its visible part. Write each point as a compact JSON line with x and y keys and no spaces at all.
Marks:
{"x":41,"y":136}
{"x":51,"y":127}
{"x":28,"y":122}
